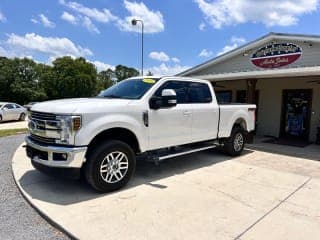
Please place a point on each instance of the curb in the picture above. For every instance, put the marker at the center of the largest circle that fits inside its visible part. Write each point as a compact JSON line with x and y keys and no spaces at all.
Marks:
{"x":29,"y":201}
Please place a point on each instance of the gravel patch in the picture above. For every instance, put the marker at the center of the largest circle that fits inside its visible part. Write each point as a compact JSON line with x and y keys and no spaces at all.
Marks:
{"x":18,"y":220}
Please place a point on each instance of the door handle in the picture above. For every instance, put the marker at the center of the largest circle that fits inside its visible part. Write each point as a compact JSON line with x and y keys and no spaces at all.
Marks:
{"x":186,"y":113}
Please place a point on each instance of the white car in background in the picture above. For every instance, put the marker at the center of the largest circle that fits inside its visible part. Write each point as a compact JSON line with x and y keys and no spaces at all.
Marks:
{"x":12,"y":111}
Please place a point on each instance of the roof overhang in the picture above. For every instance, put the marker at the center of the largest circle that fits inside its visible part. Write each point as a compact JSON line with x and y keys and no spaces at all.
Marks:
{"x":249,"y":46}
{"x":270,"y":73}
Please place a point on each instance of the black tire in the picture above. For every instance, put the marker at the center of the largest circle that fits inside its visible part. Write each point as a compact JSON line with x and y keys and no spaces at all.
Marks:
{"x":98,"y":156}
{"x":234,"y":145}
{"x":0,"y":118}
{"x":22,"y":117}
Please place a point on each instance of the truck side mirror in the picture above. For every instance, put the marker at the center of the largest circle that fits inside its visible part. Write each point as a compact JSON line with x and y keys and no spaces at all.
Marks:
{"x":155,"y":102}
{"x":169,"y":98}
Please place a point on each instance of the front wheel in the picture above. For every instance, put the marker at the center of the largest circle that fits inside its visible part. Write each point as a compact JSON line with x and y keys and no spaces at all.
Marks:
{"x":22,"y":117}
{"x":110,"y":166}
{"x":234,"y":145}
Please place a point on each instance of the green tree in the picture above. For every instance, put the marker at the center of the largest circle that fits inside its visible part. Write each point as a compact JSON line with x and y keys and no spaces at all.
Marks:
{"x":123,"y":72}
{"x":105,"y":79}
{"x":6,"y":78}
{"x":23,"y":80}
{"x":70,"y":78}
{"x":19,"y":81}
{"x":26,"y":85}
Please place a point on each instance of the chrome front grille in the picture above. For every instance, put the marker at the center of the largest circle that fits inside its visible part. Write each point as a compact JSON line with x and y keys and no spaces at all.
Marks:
{"x":44,"y":127}
{"x":42,"y":139}
{"x":43,"y":116}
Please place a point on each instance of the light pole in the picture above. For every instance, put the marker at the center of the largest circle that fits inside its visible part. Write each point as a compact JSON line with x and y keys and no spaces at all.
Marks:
{"x":134,"y":23}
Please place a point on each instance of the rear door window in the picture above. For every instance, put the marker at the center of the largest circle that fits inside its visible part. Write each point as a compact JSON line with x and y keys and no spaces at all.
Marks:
{"x":199,"y":93}
{"x":9,"y":106}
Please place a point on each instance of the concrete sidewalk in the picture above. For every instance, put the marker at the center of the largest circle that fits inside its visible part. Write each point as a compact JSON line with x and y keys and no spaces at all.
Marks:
{"x":13,"y":124}
{"x":206,"y":195}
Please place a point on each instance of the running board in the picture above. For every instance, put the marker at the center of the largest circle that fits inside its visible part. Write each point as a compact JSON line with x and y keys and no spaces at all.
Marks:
{"x":186,"y":152}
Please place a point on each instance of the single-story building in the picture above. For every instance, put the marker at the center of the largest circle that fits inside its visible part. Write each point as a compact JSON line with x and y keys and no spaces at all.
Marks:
{"x":278,"y":72}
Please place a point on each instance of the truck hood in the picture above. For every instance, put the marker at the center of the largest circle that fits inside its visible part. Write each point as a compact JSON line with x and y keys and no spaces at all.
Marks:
{"x":80,"y":105}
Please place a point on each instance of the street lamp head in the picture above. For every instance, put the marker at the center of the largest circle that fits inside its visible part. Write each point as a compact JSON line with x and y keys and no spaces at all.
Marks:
{"x":134,"y":22}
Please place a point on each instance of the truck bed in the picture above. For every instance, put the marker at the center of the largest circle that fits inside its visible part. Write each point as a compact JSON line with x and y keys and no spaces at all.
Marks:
{"x":235,"y":112}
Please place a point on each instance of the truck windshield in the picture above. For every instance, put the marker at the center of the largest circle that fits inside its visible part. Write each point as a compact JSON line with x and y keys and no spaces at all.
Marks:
{"x":129,"y":89}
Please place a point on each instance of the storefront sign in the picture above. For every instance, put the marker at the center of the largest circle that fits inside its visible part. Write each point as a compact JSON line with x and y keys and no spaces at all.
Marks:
{"x":276,"y":55}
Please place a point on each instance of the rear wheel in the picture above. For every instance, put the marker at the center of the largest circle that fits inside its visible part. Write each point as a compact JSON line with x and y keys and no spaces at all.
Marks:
{"x":234,"y":145}
{"x":0,"y":118}
{"x":22,"y":117}
{"x":110,"y":166}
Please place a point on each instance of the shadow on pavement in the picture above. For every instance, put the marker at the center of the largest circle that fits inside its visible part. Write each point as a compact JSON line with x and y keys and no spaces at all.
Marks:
{"x":66,"y":191}
{"x":311,"y":152}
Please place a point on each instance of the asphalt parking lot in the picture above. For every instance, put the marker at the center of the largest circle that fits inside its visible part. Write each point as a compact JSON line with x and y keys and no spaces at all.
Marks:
{"x":18,"y":220}
{"x":259,"y":195}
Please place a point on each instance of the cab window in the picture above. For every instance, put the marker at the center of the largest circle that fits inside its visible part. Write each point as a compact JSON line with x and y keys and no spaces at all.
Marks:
{"x":180,"y":87}
{"x":199,"y":93}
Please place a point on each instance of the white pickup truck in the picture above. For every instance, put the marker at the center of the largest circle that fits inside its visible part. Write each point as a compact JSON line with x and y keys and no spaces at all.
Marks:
{"x":154,"y":117}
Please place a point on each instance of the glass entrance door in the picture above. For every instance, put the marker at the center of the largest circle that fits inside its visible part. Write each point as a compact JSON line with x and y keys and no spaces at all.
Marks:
{"x":296,"y":111}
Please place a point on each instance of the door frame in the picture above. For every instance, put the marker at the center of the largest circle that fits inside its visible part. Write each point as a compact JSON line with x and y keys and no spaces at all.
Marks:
{"x":308,"y":91}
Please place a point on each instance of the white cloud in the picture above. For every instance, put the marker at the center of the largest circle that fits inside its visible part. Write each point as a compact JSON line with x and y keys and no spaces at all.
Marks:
{"x":69,"y":18}
{"x":236,"y":42}
{"x":165,"y":69}
{"x":52,"y":46}
{"x":227,"y":48}
{"x":153,"y":20}
{"x":101,"y":66}
{"x":159,"y":56}
{"x":205,"y":53}
{"x":11,"y":54}
{"x":44,"y":21}
{"x":4,"y":52}
{"x":87,"y":23}
{"x":220,"y":13}
{"x":163,"y":57}
{"x":2,"y":17}
{"x":202,"y":26}
{"x":176,"y":60}
{"x":103,"y":16}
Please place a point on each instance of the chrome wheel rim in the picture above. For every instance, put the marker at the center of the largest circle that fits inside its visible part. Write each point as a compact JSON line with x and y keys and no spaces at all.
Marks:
{"x":114,"y":167}
{"x":238,"y":142}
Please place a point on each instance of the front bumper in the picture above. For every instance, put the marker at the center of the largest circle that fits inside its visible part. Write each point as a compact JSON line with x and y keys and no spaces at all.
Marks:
{"x":55,"y":156}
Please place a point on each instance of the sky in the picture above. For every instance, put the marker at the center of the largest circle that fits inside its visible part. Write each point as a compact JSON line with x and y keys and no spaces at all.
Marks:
{"x":177,"y":34}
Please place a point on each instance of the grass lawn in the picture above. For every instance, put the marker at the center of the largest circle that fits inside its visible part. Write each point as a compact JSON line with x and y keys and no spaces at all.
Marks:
{"x":9,"y":132}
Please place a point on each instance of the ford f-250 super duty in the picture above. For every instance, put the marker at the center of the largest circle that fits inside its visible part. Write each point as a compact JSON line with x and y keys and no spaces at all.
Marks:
{"x":154,"y":117}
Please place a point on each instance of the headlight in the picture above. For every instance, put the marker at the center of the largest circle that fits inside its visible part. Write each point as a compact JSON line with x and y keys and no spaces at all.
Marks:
{"x":68,"y":125}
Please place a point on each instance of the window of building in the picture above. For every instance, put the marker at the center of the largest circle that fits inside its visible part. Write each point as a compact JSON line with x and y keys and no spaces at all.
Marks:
{"x":241,"y":96}
{"x":224,"y":96}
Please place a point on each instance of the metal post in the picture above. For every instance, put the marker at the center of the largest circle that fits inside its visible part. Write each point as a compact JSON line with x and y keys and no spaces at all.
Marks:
{"x":142,"y":48}
{"x":134,"y":22}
